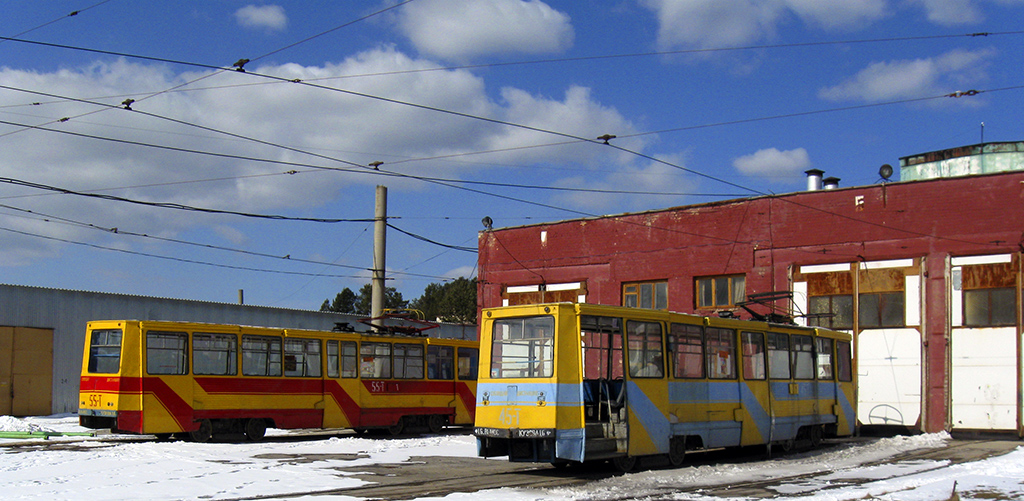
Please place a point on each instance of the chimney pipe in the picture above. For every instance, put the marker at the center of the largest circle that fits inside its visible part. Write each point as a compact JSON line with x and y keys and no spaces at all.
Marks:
{"x":831,"y":183}
{"x":814,"y":179}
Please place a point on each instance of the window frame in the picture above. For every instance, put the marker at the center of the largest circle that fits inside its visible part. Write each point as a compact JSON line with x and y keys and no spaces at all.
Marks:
{"x":798,"y":359}
{"x":405,"y":363}
{"x":440,"y":362}
{"x":645,"y":350}
{"x":714,"y":346}
{"x":522,"y":347}
{"x":369,"y":353}
{"x":181,"y":366}
{"x":305,"y":362}
{"x":710,"y":285}
{"x":776,"y":363}
{"x":752,"y":371}
{"x":829,"y":320}
{"x":101,"y":357}
{"x":688,"y":355}
{"x":209,"y":366}
{"x":272,"y":365}
{"x":651,"y":294}
{"x":990,"y":312}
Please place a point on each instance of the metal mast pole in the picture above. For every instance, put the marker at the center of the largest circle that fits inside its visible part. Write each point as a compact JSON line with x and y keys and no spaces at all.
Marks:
{"x":379,"y":245}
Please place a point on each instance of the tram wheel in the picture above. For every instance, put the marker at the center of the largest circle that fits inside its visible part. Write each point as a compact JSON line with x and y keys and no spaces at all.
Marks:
{"x":397,"y":428}
{"x":677,"y":452}
{"x":204,"y":433}
{"x":255,"y":429}
{"x":786,"y":445}
{"x":816,"y":434}
{"x":624,"y":464}
{"x":435,"y":423}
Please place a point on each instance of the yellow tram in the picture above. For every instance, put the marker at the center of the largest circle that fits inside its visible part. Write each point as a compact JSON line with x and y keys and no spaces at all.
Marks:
{"x":572,"y":382}
{"x":199,"y":379}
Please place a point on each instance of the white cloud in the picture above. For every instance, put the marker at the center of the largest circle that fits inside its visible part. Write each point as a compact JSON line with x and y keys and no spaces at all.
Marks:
{"x":268,"y":17}
{"x":463,"y":29}
{"x":951,"y":12}
{"x":772,"y":163}
{"x":908,"y":79}
{"x":723,"y":23}
{"x":664,"y":186}
{"x":341,"y":125}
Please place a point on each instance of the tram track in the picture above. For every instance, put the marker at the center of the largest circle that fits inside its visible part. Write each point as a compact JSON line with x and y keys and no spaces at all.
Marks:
{"x":439,"y":476}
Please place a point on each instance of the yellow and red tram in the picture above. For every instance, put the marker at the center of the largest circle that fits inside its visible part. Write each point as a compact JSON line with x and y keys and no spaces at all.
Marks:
{"x":568,"y":382}
{"x":163,"y":378}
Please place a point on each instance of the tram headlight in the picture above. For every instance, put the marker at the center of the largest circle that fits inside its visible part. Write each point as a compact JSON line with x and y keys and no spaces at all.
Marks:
{"x":541,"y":400}
{"x":486,"y":398}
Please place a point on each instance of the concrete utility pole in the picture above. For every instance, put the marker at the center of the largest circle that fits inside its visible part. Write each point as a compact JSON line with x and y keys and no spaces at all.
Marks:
{"x":380,"y":229}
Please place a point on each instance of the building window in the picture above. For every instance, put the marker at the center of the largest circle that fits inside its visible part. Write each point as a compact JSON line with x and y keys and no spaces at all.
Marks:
{"x":883,"y":309}
{"x":721,"y":292}
{"x":990,"y":307}
{"x":652,"y":295}
{"x":833,"y":312}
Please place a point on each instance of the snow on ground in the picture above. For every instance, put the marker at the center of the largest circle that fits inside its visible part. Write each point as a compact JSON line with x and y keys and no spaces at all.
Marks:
{"x":182,"y":470}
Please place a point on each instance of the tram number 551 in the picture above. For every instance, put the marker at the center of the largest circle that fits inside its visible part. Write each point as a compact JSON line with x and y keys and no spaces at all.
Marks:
{"x":95,"y":400}
{"x":509,"y":417}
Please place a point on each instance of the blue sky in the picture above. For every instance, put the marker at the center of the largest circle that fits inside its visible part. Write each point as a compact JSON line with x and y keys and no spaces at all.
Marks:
{"x":708,"y":99}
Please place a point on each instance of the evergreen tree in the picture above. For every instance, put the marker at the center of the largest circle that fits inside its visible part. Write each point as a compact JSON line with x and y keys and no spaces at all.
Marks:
{"x":453,"y":301}
{"x":344,"y":302}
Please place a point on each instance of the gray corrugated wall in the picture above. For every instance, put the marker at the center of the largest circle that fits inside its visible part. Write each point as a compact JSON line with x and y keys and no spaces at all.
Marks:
{"x":66,"y":312}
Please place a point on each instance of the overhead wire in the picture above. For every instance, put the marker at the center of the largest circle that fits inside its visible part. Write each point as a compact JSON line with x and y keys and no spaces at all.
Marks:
{"x":124,"y":232}
{"x":574,"y":137}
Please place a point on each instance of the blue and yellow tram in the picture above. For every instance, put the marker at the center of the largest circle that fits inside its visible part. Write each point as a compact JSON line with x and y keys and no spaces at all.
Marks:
{"x":572,"y":382}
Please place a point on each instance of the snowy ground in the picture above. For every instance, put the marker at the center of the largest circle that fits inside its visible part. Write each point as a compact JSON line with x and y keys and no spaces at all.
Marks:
{"x":182,"y":470}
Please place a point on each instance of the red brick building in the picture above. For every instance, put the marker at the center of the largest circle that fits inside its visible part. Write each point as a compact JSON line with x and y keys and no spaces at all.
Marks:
{"x":926,"y":273}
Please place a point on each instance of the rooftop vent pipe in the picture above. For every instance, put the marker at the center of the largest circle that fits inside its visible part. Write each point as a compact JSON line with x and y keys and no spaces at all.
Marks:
{"x":831,"y":183}
{"x":814,"y":179}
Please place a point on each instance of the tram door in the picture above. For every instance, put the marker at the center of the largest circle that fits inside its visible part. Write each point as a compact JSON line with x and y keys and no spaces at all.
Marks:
{"x":603,"y":392}
{"x":166,"y":384}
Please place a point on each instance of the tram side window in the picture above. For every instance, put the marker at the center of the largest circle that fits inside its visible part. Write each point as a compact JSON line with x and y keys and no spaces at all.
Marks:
{"x":440,"y":362}
{"x":375,"y":360}
{"x":105,"y":351}
{"x":824,"y":349}
{"x":802,"y":357}
{"x":721,"y":353}
{"x":214,"y":354}
{"x":349,"y":359}
{"x":166,"y":353}
{"x":523,"y":347}
{"x":333,"y":360}
{"x":753,"y":355}
{"x":844,"y":361}
{"x":302,"y":357}
{"x":261,"y":356}
{"x":408,"y":361}
{"x":469,"y":362}
{"x":602,"y":347}
{"x":686,"y":343}
{"x":646,"y":355}
{"x":778,"y":355}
